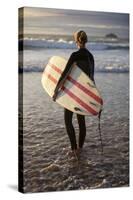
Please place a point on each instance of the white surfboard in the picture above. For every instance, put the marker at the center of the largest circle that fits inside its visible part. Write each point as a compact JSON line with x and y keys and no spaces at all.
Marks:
{"x":78,"y":93}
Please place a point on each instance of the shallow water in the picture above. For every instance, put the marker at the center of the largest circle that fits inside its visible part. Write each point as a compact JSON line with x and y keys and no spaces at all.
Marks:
{"x":47,"y":167}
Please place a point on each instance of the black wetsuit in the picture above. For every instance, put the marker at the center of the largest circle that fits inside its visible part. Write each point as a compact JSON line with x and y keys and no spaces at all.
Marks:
{"x":84,"y":59}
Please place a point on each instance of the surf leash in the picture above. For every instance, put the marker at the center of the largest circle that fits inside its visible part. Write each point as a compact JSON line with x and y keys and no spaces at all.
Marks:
{"x":99,"y":128}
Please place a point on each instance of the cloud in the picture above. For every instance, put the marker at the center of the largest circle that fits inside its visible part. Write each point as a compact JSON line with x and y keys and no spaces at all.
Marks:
{"x":44,"y":20}
{"x":98,"y":26}
{"x":40,"y":12}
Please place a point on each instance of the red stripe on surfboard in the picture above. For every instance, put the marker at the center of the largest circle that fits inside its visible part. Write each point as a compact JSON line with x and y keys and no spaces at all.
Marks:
{"x":73,"y":96}
{"x":55,"y":68}
{"x":51,"y":78}
{"x":88,"y":92}
{"x":79,"y":85}
{"x":78,"y":100}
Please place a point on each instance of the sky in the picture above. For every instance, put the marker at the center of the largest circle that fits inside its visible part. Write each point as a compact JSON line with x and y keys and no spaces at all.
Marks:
{"x":61,"y":21}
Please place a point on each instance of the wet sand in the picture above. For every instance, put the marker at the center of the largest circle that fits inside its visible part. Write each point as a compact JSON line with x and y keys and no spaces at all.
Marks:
{"x":47,"y":167}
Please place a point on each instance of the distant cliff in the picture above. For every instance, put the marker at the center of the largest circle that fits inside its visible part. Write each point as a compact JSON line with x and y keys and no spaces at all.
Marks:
{"x":111,"y":35}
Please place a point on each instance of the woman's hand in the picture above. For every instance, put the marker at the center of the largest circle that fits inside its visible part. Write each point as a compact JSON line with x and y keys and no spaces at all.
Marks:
{"x":57,"y":90}
{"x":54,"y":96}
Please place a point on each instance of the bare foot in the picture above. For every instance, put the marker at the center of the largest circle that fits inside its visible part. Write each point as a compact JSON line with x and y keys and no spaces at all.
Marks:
{"x":73,"y":153}
{"x":79,"y":150}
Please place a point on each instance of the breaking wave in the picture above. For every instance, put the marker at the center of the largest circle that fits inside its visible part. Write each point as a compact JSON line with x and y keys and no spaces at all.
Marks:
{"x":100,"y":69}
{"x":63,"y":44}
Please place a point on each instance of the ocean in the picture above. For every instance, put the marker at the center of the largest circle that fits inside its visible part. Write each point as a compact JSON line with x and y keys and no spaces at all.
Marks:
{"x":45,"y":142}
{"x":105,"y":50}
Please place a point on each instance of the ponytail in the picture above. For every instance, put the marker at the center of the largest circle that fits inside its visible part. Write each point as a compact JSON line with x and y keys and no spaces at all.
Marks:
{"x":81,"y":37}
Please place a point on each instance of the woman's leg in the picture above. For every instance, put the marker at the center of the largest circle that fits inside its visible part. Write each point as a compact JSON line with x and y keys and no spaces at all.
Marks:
{"x":70,"y":129}
{"x":82,"y":129}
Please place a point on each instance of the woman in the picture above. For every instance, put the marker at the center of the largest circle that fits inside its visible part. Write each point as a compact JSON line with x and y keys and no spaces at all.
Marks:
{"x":84,"y":59}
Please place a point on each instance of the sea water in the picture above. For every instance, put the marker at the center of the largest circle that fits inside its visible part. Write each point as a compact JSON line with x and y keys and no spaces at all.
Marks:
{"x":47,"y":167}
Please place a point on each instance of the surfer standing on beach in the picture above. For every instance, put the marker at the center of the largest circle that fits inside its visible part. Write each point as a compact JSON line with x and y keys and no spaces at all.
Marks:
{"x":83,"y":59}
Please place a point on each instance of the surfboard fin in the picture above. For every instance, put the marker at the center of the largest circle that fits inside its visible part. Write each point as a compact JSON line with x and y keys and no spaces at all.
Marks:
{"x":77,"y":109}
{"x":93,"y":86}
{"x":94,"y":104}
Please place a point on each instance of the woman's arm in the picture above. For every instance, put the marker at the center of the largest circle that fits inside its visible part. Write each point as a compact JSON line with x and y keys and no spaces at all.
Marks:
{"x":92,"y":66}
{"x":64,"y":75}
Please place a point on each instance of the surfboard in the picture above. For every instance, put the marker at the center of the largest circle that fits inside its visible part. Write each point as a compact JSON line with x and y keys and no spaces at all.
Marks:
{"x":78,"y":93}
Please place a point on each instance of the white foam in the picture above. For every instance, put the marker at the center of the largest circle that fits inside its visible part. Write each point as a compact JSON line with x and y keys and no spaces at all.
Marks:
{"x":63,"y":44}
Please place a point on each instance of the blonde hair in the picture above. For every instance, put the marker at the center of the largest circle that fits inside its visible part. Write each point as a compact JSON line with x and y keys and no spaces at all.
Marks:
{"x":80,"y":37}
